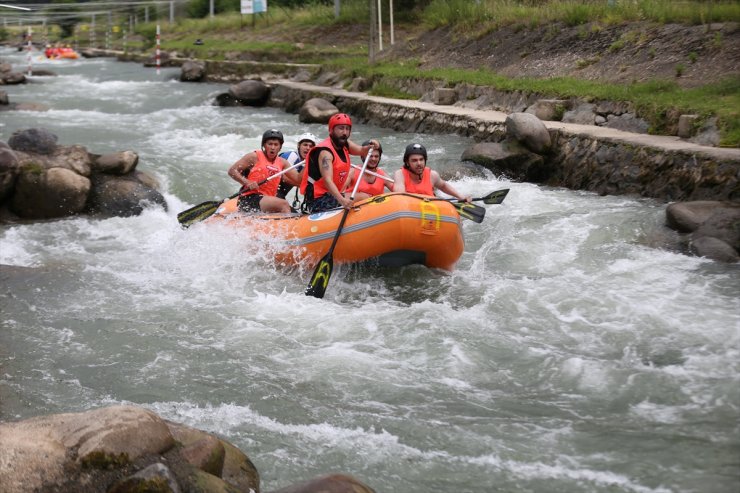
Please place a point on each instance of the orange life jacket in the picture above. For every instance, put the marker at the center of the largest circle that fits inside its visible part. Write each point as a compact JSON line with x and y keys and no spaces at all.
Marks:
{"x":262,"y":170}
{"x":312,"y":184}
{"x":374,"y":188}
{"x":422,"y":188}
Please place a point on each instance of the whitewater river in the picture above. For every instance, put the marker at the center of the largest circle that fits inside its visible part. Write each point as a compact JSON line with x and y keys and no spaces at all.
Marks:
{"x":570,"y":350}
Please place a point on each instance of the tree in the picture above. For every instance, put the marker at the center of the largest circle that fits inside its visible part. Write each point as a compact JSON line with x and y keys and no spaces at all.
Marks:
{"x":65,"y":18}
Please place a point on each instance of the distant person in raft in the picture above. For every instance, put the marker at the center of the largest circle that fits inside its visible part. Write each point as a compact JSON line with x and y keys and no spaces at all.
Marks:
{"x":416,"y":177}
{"x":306,"y":142}
{"x":371,"y":185}
{"x":256,"y":167}
{"x":328,"y":165}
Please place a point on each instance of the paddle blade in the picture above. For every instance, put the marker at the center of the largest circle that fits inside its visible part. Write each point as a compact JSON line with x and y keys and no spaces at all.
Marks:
{"x":495,"y":197}
{"x":473,"y":212}
{"x":320,"y":278}
{"x":195,"y":214}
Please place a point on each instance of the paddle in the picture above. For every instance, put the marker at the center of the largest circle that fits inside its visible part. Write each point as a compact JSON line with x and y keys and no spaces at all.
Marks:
{"x":320,"y":278}
{"x":386,"y":178}
{"x":473,"y":212}
{"x":204,"y":210}
{"x":494,"y":197}
{"x":476,"y":213}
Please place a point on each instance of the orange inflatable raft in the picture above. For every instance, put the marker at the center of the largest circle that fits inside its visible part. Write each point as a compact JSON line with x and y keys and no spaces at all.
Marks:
{"x":58,"y":52}
{"x":394,"y":229}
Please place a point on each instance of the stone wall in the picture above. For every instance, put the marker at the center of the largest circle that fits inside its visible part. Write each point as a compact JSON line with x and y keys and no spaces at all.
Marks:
{"x":578,"y":160}
{"x":615,"y":168}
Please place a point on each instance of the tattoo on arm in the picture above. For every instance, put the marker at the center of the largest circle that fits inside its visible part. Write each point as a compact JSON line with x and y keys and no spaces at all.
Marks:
{"x":326,"y":162}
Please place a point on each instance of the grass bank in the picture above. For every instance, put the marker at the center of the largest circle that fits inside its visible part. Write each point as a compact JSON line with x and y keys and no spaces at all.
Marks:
{"x":657,"y":101}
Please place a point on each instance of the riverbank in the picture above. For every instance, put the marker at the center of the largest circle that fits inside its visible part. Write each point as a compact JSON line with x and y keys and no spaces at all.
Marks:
{"x":584,"y":157}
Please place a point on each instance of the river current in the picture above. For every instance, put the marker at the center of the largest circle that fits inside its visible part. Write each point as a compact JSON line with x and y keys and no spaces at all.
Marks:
{"x":569,"y":351}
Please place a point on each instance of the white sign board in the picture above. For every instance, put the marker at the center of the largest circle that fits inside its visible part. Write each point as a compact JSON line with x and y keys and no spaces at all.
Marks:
{"x":253,"y":6}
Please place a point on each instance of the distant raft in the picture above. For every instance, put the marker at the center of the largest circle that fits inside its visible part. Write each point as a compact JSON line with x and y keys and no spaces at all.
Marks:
{"x":55,"y":53}
{"x":393,"y":229}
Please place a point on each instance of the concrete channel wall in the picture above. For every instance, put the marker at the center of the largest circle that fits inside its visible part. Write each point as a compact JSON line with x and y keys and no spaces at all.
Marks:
{"x":584,"y":157}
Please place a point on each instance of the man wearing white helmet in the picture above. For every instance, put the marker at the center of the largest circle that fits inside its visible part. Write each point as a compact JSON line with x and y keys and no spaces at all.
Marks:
{"x":306,"y":142}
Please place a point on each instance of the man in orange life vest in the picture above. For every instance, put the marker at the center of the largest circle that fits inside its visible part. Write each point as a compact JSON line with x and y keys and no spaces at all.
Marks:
{"x":328,"y":165}
{"x":416,"y":177}
{"x":256,"y":167}
{"x":370,"y":185}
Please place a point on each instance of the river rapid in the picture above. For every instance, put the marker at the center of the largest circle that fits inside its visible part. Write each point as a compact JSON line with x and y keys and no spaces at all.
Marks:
{"x":569,"y":351}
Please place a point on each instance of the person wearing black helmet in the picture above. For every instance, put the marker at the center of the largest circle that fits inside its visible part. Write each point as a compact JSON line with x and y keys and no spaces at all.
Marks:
{"x":416,"y":177}
{"x":328,"y":166}
{"x":253,"y":170}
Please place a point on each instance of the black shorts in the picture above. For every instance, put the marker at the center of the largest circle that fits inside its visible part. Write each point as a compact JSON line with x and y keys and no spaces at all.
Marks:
{"x":284,"y":189}
{"x":250,"y":203}
{"x":324,"y":203}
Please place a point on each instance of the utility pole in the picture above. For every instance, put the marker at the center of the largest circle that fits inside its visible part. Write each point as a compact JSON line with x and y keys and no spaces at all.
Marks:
{"x":336,"y":9}
{"x":373,"y":31}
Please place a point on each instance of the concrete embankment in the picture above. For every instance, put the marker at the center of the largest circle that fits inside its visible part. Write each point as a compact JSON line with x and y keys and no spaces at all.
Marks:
{"x":583,"y":157}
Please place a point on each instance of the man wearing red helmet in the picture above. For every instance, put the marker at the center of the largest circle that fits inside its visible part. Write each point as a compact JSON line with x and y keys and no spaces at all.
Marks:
{"x":253,"y":171}
{"x":328,"y":167}
{"x":416,"y":177}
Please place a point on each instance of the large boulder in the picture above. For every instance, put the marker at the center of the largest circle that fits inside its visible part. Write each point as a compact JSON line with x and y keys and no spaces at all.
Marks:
{"x":37,"y":140}
{"x":74,"y":158}
{"x":119,"y":449}
{"x":549,"y":109}
{"x":509,"y":158}
{"x":713,"y":227}
{"x":530,"y":131}
{"x":112,"y":195}
{"x":250,"y":92}
{"x":317,"y":110}
{"x":12,"y":78}
{"x":9,"y":169}
{"x":192,"y":71}
{"x":41,"y":452}
{"x":45,"y":194}
{"x":118,"y":163}
{"x":236,"y":468}
{"x":332,"y":483}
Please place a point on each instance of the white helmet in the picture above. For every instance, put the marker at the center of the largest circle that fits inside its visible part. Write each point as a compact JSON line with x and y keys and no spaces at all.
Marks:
{"x":307,"y":136}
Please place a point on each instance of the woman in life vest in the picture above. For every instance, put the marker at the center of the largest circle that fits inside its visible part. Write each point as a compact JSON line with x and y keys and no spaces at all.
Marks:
{"x":328,"y":166}
{"x":370,"y":185}
{"x":253,"y":170}
{"x":306,"y":142}
{"x":416,"y":177}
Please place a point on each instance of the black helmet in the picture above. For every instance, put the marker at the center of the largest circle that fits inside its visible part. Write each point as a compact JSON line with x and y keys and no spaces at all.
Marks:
{"x":414,"y":149}
{"x":380,"y":147}
{"x":272,"y":134}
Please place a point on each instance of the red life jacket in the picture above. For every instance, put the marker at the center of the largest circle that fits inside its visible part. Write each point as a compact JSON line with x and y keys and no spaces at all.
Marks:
{"x":312,"y":184}
{"x":424,"y":187}
{"x":375,"y":188}
{"x":262,"y":170}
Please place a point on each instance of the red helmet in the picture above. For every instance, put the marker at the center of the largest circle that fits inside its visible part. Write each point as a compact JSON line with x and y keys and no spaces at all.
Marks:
{"x":339,"y":119}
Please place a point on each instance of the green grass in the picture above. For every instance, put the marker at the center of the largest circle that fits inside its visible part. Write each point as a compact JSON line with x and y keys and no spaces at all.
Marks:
{"x":653,"y":100}
{"x":467,"y":14}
